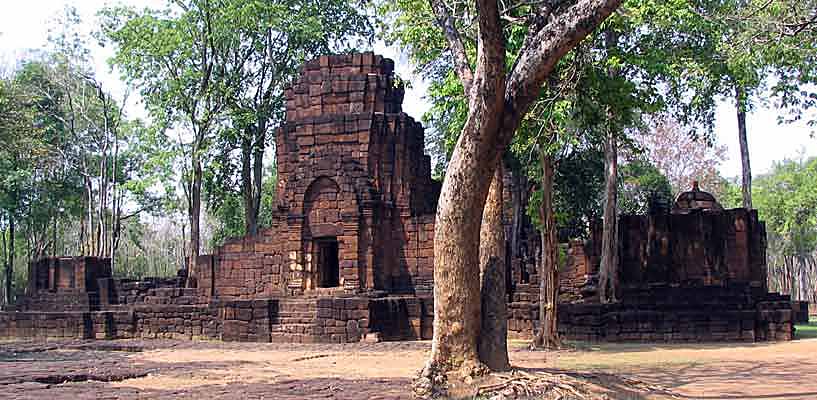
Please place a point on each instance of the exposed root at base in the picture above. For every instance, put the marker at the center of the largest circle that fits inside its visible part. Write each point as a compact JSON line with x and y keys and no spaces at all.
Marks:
{"x":431,"y":382}
{"x":519,"y":384}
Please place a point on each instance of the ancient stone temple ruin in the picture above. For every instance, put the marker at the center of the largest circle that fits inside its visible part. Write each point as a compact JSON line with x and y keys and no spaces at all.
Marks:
{"x":697,"y":273}
{"x":349,"y":254}
{"x":356,"y":200}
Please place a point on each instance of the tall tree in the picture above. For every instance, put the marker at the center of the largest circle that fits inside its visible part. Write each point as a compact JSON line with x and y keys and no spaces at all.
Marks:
{"x":547,"y":336}
{"x":174,"y":58}
{"x":751,"y":40}
{"x":18,"y":157}
{"x":787,"y":202}
{"x":269,"y":41}
{"x":497,"y":103}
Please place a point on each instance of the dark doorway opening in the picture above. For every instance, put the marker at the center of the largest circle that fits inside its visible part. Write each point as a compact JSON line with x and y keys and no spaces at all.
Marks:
{"x":328,"y":264}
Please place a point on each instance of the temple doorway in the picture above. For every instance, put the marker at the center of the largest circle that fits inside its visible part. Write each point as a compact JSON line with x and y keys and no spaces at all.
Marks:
{"x":328,"y":263}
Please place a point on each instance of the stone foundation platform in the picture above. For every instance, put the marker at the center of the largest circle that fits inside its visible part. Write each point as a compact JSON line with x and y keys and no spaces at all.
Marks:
{"x":670,"y":314}
{"x":177,"y":313}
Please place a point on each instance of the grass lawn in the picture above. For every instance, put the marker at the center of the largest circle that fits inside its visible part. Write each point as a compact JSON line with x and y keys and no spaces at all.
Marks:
{"x":807,"y":331}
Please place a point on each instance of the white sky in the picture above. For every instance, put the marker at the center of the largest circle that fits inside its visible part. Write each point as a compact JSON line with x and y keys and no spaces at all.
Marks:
{"x":24,"y":26}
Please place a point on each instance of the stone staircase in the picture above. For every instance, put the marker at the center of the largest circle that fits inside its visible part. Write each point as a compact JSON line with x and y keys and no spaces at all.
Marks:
{"x":295,"y":320}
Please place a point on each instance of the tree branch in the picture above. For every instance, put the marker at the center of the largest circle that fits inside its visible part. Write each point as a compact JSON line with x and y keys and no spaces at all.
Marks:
{"x":548,"y":45}
{"x":455,"y":44}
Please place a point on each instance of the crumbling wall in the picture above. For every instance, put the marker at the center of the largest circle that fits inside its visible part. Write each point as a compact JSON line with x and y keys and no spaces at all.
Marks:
{"x":695,"y":249}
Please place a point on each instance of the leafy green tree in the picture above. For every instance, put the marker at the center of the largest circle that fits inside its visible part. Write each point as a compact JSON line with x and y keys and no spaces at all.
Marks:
{"x":174,"y":58}
{"x":744,"y":42}
{"x":218,"y":69}
{"x":640,"y":184}
{"x":786,"y":200}
{"x":18,"y":156}
{"x":268,"y":42}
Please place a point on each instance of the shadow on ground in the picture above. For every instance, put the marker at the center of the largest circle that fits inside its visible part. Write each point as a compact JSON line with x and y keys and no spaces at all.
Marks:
{"x":104,"y":370}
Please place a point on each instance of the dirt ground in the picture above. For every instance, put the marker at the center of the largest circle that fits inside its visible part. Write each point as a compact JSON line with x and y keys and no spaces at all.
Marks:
{"x":206,"y":370}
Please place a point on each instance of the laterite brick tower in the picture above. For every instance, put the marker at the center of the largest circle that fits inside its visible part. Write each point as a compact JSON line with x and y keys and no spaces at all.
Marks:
{"x":356,"y":200}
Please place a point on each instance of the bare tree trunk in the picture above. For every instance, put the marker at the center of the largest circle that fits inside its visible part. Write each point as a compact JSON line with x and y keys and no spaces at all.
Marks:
{"x":81,"y":238}
{"x":493,"y":339}
{"x":250,"y":215}
{"x":90,"y":209}
{"x":746,"y":170}
{"x":4,"y":257}
{"x":252,"y":172}
{"x":258,"y":172}
{"x":116,"y":210}
{"x":608,"y":273}
{"x":10,"y":263}
{"x":547,"y":336}
{"x":194,"y":217}
{"x":103,"y":200}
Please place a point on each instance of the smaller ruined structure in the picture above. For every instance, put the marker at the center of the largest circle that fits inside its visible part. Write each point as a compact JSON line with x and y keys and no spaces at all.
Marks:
{"x":697,"y":273}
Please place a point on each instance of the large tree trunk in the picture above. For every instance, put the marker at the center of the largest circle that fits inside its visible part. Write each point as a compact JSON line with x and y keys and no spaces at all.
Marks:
{"x":746,"y":170}
{"x":547,"y":335}
{"x":493,"y":339}
{"x":457,"y":302}
{"x":495,"y":110}
{"x":608,"y":273}
{"x":194,"y":217}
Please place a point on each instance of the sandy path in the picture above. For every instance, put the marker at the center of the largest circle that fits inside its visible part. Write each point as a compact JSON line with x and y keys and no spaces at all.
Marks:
{"x":201,"y":370}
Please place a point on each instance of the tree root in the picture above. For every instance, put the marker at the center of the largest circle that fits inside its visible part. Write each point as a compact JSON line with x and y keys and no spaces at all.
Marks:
{"x":521,"y":384}
{"x":431,"y":382}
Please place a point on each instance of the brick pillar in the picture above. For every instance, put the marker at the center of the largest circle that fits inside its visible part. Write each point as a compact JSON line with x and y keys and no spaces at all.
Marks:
{"x":293,"y":255}
{"x":367,"y":244}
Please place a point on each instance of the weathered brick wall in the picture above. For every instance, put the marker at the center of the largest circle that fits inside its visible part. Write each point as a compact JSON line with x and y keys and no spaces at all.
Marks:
{"x":696,"y":249}
{"x":414,"y":270}
{"x":682,"y":314}
{"x":247,"y":320}
{"x":668,"y":314}
{"x":64,"y":300}
{"x":523,"y":318}
{"x":579,"y":276}
{"x":342,"y":320}
{"x":67,"y":325}
{"x":713,"y":248}
{"x":44,"y":325}
{"x":123,"y":292}
{"x":402,"y":318}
